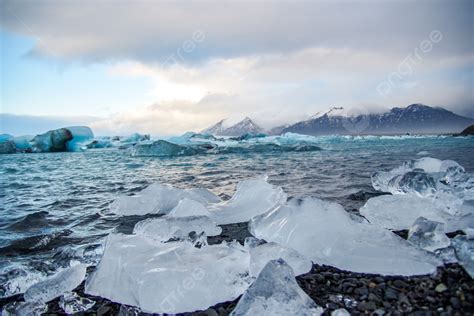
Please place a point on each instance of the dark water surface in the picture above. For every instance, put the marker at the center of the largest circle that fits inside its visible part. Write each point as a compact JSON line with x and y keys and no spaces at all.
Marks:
{"x":54,"y":207}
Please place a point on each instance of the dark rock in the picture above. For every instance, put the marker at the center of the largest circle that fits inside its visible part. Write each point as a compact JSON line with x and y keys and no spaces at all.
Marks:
{"x":366,"y":306}
{"x":455,"y":303}
{"x":391,"y":294}
{"x":361,"y":291}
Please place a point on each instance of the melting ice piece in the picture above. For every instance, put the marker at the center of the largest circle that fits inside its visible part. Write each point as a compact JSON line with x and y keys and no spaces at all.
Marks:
{"x":62,"y":282}
{"x":419,"y":176}
{"x":253,"y":197}
{"x":173,"y":277}
{"x":418,"y":182}
{"x":72,"y":303}
{"x":428,"y":235}
{"x":261,"y":254}
{"x":276,"y":292}
{"x":325,"y":233}
{"x":465,"y":253}
{"x":340,"y":312}
{"x":400,"y":211}
{"x":159,"y":198}
{"x":187,"y":207}
{"x":24,"y":309}
{"x":165,"y":228}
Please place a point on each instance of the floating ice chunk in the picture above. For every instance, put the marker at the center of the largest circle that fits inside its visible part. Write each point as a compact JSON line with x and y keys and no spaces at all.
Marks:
{"x":187,"y":207}
{"x":162,"y":148}
{"x":325,"y":233}
{"x":400,"y":211}
{"x":253,"y":197}
{"x":428,"y":235}
{"x":173,"y":277}
{"x":165,"y":228}
{"x":261,"y":254}
{"x":276,"y":292}
{"x":72,"y":303}
{"x":135,"y":137}
{"x":62,"y":282}
{"x":465,"y":253}
{"x":159,"y":198}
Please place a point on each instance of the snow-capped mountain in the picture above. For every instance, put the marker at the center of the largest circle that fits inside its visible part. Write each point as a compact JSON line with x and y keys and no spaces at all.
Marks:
{"x":215,"y":129}
{"x":246,"y":126}
{"x":416,"y":118}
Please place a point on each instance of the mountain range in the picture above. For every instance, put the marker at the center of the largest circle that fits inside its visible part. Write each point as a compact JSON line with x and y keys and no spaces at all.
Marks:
{"x":414,"y":119}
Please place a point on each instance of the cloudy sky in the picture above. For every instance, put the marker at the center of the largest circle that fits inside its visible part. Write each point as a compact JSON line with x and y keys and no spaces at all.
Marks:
{"x":165,"y":67}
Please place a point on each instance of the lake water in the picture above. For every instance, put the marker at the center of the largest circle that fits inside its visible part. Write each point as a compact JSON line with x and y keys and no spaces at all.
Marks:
{"x":54,"y":207}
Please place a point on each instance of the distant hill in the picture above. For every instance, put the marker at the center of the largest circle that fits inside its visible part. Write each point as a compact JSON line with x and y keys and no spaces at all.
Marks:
{"x":415,"y":118}
{"x":246,"y":126}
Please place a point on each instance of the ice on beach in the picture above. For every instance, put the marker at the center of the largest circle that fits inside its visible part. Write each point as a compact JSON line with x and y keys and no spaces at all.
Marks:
{"x":426,"y":177}
{"x":261,"y":254}
{"x":72,"y":303}
{"x":325,"y":233}
{"x":187,"y":207}
{"x":252,"y":197}
{"x":464,"y":248}
{"x":428,"y":235}
{"x":62,"y":282}
{"x":165,"y":228}
{"x":276,"y":292}
{"x":159,"y":198}
{"x":172,"y":277}
{"x":398,"y":212}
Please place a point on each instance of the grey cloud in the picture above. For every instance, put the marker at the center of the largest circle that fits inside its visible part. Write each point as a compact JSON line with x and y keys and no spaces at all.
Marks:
{"x":153,"y":31}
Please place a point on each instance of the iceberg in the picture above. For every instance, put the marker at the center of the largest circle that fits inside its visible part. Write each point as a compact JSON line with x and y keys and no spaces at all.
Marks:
{"x":23,"y":142}
{"x":51,"y":141}
{"x":261,"y":254}
{"x":159,"y":198}
{"x":135,"y":138}
{"x":165,"y":228}
{"x":398,"y":212}
{"x":64,"y":281}
{"x":162,"y":148}
{"x":173,"y":277}
{"x":195,"y":144}
{"x":80,"y":135}
{"x":252,"y":197}
{"x":326,"y":234}
{"x":7,"y":147}
{"x":428,"y":235}
{"x":276,"y":292}
{"x":464,"y":248}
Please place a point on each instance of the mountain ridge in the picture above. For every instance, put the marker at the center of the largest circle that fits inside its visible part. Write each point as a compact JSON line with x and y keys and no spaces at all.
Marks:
{"x":414,"y":119}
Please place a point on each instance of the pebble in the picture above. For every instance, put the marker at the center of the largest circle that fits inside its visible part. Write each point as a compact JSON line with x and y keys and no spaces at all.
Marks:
{"x":440,"y":288}
{"x":366,"y":306}
{"x":391,"y":294}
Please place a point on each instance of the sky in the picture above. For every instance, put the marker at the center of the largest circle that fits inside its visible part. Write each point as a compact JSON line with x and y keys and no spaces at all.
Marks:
{"x":167,"y":67}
